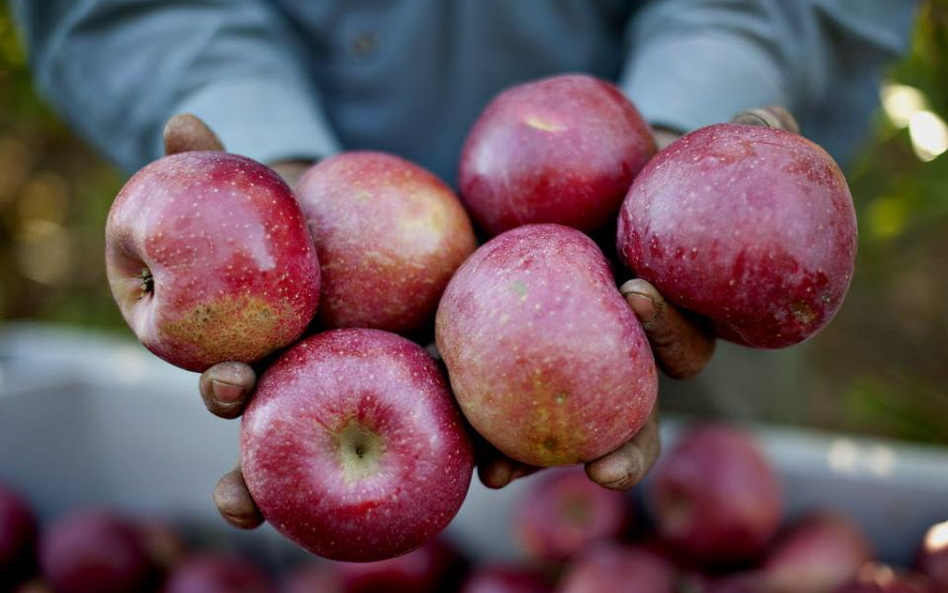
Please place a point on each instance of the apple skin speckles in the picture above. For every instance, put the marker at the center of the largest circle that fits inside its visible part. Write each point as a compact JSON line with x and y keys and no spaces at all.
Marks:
{"x":749,"y":226}
{"x":209,"y":260}
{"x":353,"y":447}
{"x":560,"y":150}
{"x":546,"y":358}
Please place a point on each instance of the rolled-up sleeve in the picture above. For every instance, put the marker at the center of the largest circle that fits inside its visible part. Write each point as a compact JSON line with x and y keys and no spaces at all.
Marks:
{"x":118,"y":69}
{"x":696,"y":62}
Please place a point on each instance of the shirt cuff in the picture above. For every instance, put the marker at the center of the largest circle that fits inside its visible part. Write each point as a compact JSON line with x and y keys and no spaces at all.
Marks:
{"x":684,"y":83}
{"x":263,"y":119}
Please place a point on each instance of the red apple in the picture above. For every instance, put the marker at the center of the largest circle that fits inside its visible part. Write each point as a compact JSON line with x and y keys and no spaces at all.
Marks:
{"x":353,"y":447}
{"x":611,"y":568}
{"x":217,"y":573}
{"x":389,"y":236}
{"x":432,"y":567}
{"x":546,"y":359}
{"x":562,"y":512}
{"x":932,"y":558}
{"x":92,"y":551}
{"x":563,"y":149}
{"x":714,"y":497}
{"x":209,"y":259}
{"x":749,"y":226}
{"x":878,"y":578}
{"x":817,"y":555}
{"x":17,"y":538}
{"x":505,"y":579}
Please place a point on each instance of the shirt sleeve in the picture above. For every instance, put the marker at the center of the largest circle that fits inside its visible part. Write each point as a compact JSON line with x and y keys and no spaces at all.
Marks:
{"x":118,"y":69}
{"x":696,"y":62}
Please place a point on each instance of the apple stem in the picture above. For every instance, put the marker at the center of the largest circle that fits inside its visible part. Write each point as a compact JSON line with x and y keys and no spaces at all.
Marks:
{"x":147,"y":283}
{"x":772,"y":116}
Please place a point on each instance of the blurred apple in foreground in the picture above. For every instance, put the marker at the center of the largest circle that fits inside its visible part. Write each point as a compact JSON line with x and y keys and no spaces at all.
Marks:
{"x":209,"y":259}
{"x":879,"y":578}
{"x":932,"y":557}
{"x":750,"y":226}
{"x":611,"y":568}
{"x":92,"y":551}
{"x":817,"y":555}
{"x":217,"y":573}
{"x":17,"y":538}
{"x":505,"y":579}
{"x":388,"y":234}
{"x":562,"y":149}
{"x":742,"y":582}
{"x":353,"y":447}
{"x":313,"y":578}
{"x":436,"y":566}
{"x":714,"y":496}
{"x":562,"y":512}
{"x":546,"y":359}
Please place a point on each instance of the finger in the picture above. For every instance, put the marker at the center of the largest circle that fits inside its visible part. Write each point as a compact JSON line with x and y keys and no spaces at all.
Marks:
{"x":682,"y":345}
{"x":772,"y":116}
{"x":185,"y":132}
{"x":499,"y":471}
{"x":495,"y":469}
{"x":234,"y":502}
{"x":626,"y":466}
{"x":226,"y":388}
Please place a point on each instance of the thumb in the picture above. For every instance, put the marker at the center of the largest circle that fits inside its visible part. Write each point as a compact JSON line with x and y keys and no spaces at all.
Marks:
{"x":185,"y":132}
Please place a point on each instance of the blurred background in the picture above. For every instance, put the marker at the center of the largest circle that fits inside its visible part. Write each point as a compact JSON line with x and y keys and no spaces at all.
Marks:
{"x":880,"y":368}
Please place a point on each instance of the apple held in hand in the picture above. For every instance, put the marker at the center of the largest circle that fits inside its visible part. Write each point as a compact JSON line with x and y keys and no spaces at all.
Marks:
{"x":209,"y":259}
{"x":546,"y":359}
{"x":389,"y":236}
{"x":562,"y":149}
{"x":714,"y":497}
{"x":750,"y":226}
{"x":353,"y":447}
{"x":562,"y":512}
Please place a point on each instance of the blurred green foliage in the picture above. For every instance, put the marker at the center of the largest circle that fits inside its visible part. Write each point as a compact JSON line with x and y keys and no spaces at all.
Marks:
{"x":881,"y":367}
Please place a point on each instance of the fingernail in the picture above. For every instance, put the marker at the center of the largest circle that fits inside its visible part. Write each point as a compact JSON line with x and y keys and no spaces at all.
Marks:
{"x":226,"y":393}
{"x":500,"y":476}
{"x":643,"y":306}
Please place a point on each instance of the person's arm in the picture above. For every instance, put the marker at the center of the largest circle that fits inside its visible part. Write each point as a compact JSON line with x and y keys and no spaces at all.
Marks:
{"x":118,"y":69}
{"x":696,"y":62}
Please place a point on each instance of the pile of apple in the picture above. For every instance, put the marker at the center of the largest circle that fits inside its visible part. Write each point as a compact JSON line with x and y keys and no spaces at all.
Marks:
{"x":712,"y":522}
{"x":356,"y":446}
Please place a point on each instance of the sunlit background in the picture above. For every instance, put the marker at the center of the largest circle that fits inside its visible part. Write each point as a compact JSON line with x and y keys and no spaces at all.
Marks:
{"x":882,"y":367}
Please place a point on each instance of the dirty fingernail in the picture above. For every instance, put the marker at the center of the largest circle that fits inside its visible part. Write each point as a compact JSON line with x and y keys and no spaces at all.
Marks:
{"x":226,"y":393}
{"x":643,"y":306}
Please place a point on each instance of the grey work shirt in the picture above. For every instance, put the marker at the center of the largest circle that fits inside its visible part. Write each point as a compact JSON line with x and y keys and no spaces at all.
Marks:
{"x":300,"y":79}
